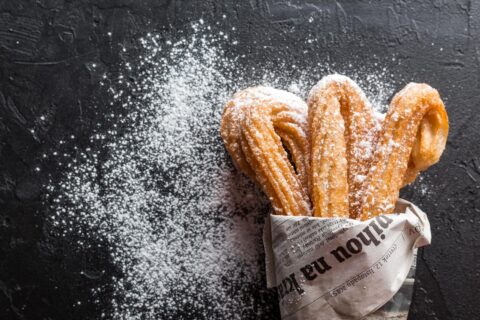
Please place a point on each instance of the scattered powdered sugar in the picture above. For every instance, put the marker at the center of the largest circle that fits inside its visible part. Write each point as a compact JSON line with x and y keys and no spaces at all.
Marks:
{"x":181,"y":224}
{"x":422,"y":187}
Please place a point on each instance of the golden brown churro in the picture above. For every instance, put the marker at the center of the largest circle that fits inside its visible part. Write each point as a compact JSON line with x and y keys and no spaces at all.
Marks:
{"x":337,"y":106}
{"x":413,"y":137}
{"x":231,"y":133}
{"x":344,"y":159}
{"x":254,"y":124}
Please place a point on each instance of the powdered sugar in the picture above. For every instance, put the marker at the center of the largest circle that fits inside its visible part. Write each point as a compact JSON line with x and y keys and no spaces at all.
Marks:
{"x":326,"y":81}
{"x":183,"y":226}
{"x":282,"y":96}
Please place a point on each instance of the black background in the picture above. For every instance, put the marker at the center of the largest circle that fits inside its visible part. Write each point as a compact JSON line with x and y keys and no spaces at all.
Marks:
{"x":48,"y":46}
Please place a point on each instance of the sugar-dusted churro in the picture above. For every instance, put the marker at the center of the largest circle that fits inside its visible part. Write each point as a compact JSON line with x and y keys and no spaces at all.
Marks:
{"x":256,"y":125}
{"x":412,"y":138}
{"x":344,"y":159}
{"x":231,"y":132}
{"x":342,"y":131}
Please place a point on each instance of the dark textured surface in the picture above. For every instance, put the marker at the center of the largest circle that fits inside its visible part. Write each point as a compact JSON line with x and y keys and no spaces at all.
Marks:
{"x":47,"y":48}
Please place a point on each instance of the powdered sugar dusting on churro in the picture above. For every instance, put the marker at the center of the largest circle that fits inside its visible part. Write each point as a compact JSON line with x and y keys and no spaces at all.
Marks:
{"x":360,"y":137}
{"x":266,"y":93}
{"x":327,"y":80}
{"x":263,"y":121}
{"x":181,"y":225}
{"x":396,"y":161}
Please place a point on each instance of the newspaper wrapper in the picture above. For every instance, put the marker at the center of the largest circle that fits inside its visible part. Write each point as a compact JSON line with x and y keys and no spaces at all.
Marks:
{"x":338,"y":268}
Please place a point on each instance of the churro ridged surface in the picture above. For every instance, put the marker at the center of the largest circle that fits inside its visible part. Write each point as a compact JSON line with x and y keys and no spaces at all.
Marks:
{"x":257,"y":123}
{"x":328,"y":174}
{"x":359,"y":130}
{"x":414,"y":132}
{"x":335,"y":157}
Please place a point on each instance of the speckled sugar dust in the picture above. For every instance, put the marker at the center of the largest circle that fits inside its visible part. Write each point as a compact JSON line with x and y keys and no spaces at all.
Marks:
{"x":183,"y":226}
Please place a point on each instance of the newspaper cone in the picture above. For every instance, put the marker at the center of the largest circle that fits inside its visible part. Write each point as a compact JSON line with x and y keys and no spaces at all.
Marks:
{"x":337,"y":268}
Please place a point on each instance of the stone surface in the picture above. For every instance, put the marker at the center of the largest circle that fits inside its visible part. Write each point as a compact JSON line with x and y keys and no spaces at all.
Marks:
{"x":49,"y":91}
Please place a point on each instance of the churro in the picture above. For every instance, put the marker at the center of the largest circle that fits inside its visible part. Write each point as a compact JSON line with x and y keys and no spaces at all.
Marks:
{"x":256,"y":125}
{"x":412,"y":138}
{"x":345,"y":161}
{"x":342,"y":131}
